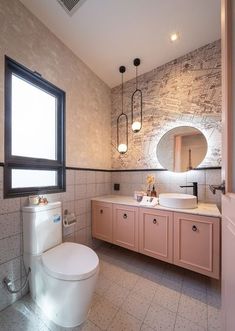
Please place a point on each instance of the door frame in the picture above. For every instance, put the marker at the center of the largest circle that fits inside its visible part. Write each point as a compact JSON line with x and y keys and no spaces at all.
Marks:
{"x":226,"y":43}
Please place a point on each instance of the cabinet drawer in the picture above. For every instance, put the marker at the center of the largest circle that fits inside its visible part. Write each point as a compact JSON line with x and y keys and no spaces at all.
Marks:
{"x":102,"y":226}
{"x":155,"y":233}
{"x":125,"y":226}
{"x":196,"y":243}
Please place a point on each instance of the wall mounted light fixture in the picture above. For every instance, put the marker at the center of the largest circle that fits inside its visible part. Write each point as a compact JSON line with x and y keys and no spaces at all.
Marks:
{"x":136,"y":102}
{"x":122,"y":146}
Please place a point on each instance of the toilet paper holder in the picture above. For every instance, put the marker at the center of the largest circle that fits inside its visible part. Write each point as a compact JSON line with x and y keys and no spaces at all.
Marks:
{"x":69,"y":219}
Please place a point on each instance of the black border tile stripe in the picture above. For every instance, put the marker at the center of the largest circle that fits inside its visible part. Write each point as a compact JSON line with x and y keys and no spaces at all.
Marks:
{"x":128,"y":170}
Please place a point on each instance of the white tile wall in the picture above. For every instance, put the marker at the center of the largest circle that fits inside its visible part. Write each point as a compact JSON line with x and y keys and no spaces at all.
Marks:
{"x":10,"y":224}
{"x":86,"y":184}
{"x":9,"y":205}
{"x":170,"y":182}
{"x":10,"y":248}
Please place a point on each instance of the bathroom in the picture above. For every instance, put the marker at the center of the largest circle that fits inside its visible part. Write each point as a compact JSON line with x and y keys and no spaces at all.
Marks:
{"x":184,"y":83}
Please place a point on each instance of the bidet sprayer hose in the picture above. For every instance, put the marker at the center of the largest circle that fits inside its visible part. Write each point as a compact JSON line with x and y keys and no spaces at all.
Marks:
{"x":8,"y":283}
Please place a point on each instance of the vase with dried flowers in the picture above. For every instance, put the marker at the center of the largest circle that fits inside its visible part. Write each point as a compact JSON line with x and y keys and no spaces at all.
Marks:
{"x":150,"y":180}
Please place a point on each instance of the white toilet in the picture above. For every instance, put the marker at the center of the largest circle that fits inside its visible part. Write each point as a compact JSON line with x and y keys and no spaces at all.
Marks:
{"x":63,"y":275}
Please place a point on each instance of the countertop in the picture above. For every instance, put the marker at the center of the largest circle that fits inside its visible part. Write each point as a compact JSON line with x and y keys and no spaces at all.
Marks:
{"x":204,"y":209}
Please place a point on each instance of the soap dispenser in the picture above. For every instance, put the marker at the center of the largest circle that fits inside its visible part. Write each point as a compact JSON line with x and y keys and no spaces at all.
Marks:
{"x":153,"y":192}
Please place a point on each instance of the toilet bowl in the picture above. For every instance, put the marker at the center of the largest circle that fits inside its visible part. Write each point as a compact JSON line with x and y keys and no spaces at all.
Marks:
{"x":63,"y":281}
{"x":63,"y":275}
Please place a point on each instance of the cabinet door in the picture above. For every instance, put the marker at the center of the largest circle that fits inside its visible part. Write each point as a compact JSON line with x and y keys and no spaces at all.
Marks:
{"x":102,"y":226}
{"x":197,"y":243}
{"x":156,"y":233}
{"x":125,"y":226}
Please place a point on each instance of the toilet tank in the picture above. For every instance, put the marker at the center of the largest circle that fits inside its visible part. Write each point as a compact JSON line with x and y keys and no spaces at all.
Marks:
{"x":42,"y":227}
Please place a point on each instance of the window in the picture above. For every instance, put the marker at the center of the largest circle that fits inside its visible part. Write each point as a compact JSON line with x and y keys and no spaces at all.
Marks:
{"x":34,"y":133}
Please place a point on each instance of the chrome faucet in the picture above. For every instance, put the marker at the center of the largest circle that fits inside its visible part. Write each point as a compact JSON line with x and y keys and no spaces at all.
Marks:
{"x":195,"y":188}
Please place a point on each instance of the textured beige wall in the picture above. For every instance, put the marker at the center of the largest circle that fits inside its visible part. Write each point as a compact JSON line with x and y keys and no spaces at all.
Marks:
{"x":88,"y":121}
{"x":178,"y":93}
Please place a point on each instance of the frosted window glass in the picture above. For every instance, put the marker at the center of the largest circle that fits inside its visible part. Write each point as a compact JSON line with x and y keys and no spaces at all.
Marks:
{"x":33,"y":178}
{"x":33,"y":121}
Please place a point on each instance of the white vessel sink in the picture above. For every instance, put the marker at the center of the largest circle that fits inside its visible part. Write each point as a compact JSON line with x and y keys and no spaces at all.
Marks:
{"x":178,"y":200}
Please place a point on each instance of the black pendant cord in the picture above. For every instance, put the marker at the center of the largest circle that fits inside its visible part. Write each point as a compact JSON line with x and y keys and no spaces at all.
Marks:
{"x":136,"y":78}
{"x":137,"y":91}
{"x":122,"y":69}
{"x":122,"y":93}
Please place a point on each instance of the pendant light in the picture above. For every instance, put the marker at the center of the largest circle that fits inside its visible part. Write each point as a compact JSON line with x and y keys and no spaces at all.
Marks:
{"x":122,"y":147}
{"x":136,"y":125}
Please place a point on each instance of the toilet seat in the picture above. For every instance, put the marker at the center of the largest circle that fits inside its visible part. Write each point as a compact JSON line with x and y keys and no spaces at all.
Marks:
{"x":70,"y":261}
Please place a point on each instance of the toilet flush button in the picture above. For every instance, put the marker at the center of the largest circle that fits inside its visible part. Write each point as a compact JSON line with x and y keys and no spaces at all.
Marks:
{"x":56,"y":218}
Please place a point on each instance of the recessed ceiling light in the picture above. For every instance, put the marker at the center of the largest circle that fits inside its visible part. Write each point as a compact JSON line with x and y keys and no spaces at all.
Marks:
{"x":174,"y":36}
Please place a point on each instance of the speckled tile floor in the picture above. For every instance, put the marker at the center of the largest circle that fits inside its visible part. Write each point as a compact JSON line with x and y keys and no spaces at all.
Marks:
{"x":134,"y":292}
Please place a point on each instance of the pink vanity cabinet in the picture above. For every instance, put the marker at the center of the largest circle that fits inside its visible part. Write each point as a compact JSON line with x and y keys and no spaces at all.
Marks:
{"x":188,"y":240}
{"x":125,"y":226}
{"x":156,"y":233}
{"x":102,"y":225}
{"x":197,"y":243}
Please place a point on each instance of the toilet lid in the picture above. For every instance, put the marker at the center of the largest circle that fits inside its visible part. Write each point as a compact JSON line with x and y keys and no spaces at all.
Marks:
{"x":70,"y":261}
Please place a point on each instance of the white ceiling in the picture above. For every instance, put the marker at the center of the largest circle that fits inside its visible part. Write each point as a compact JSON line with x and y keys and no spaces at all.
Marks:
{"x":108,"y":33}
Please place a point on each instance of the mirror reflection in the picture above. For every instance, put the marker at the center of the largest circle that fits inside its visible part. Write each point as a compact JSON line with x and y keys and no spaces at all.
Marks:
{"x":182,"y":149}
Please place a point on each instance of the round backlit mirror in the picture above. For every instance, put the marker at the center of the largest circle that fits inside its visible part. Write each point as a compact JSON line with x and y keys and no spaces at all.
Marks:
{"x":182,"y":149}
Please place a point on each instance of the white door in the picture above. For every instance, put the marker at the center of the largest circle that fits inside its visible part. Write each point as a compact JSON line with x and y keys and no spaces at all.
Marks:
{"x":228,"y":168}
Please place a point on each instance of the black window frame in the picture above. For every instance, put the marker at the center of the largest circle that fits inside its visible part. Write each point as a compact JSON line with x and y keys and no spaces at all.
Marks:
{"x":29,"y":163}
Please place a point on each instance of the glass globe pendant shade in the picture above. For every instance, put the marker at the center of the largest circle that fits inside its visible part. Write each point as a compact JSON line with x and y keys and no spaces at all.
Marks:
{"x":136,"y":126}
{"x":136,"y":103}
{"x":122,"y":148}
{"x":122,"y":123}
